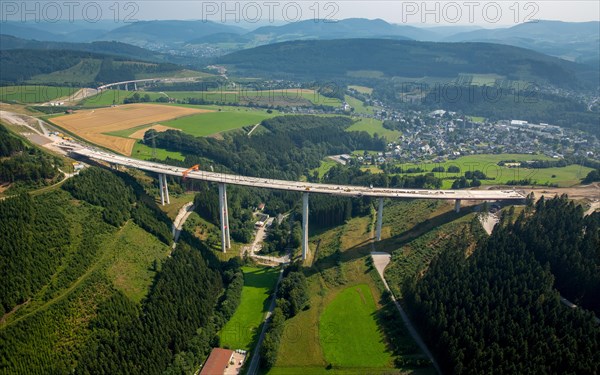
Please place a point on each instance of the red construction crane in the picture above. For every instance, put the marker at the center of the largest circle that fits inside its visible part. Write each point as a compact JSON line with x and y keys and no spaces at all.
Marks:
{"x":187,"y":171}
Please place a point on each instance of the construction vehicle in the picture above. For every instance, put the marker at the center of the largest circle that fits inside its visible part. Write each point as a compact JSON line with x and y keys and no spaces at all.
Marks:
{"x":192,"y":168}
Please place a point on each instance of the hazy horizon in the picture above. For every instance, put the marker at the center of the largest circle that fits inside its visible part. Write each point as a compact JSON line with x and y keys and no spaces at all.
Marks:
{"x":486,"y":14}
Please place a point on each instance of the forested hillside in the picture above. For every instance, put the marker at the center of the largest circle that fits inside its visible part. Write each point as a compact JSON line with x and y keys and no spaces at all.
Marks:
{"x":83,"y":68}
{"x":499,"y":308}
{"x":88,"y":286}
{"x":24,"y":164}
{"x":381,"y":58}
{"x":292,"y":145}
{"x":8,"y":42}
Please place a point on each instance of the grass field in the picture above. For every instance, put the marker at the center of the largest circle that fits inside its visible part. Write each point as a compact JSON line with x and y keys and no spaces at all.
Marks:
{"x":359,"y":106}
{"x":217,"y":122}
{"x":132,"y":270}
{"x":338,"y":270}
{"x":478,"y":119}
{"x":109,"y":97}
{"x":349,"y":333}
{"x":184,"y":73}
{"x":84,"y":72}
{"x":34,"y":93}
{"x":488,"y":164}
{"x":326,"y":165}
{"x":286,"y":97}
{"x":365,"y":73}
{"x":373,"y":126}
{"x":143,"y":152}
{"x":362,"y":89}
{"x":96,"y":125}
{"x":239,"y":332}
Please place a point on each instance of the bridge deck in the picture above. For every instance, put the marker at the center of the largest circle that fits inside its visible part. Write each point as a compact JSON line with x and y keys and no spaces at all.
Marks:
{"x":343,"y":190}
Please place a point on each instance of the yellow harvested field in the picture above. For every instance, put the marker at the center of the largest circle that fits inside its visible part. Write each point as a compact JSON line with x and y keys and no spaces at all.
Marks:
{"x":93,"y":124}
{"x":158,"y":127}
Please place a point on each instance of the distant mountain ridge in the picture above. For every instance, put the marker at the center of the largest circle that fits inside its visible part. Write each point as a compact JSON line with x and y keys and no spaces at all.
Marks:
{"x":572,"y":41}
{"x":168,"y":31}
{"x":77,"y":68}
{"x":8,"y":42}
{"x":343,"y":29}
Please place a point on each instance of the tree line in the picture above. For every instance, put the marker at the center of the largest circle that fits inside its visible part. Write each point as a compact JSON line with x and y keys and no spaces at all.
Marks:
{"x":292,"y":297}
{"x":121,"y":198}
{"x":24,"y":164}
{"x":499,"y":308}
{"x":183,"y":301}
{"x":292,"y":145}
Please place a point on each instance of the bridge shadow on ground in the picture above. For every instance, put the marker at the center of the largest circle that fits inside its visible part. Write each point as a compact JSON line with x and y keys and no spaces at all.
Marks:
{"x":388,"y":245}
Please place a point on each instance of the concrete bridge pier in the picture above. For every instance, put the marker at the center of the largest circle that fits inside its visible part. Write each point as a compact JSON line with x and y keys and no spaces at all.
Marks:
{"x":228,"y":236}
{"x":379,"y":219}
{"x":135,"y":86}
{"x":304,"y":225}
{"x":164,"y":189}
{"x":224,"y":218}
{"x":126,"y":87}
{"x":457,"y":206}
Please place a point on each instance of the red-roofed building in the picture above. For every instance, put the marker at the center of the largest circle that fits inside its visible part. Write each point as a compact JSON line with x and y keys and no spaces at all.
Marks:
{"x":217,"y":362}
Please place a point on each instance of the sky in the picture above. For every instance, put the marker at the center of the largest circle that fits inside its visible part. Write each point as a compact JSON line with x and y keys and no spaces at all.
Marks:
{"x":418,"y":13}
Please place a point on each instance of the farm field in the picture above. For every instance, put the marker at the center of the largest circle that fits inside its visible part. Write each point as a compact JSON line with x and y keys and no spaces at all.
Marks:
{"x":284,"y":97}
{"x":109,"y":97}
{"x":216,"y":122}
{"x":348,"y":330}
{"x":373,"y":126}
{"x":359,"y":106}
{"x":478,"y":119}
{"x":240,"y":330}
{"x":362,"y":89}
{"x":488,"y":163}
{"x":184,"y":73}
{"x":93,"y":125}
{"x":143,"y":152}
{"x":34,"y":93}
{"x":338,"y":269}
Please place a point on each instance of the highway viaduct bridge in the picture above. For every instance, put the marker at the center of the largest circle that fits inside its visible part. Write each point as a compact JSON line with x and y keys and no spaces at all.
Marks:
{"x":306,"y":188}
{"x":134,"y":83}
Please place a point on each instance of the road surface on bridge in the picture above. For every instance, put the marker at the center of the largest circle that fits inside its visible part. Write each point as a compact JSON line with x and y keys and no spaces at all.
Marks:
{"x":305,"y":187}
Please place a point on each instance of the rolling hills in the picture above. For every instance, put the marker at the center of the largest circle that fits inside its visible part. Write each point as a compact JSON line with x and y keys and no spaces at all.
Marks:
{"x":379,"y":58}
{"x":575,"y":41}
{"x":572,"y":41}
{"x":153,"y":32}
{"x":9,"y":42}
{"x":77,"y":68}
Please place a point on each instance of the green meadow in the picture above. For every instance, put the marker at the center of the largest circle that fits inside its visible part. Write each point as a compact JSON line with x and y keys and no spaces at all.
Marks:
{"x":288,"y":97}
{"x":562,"y":176}
{"x":373,"y":126}
{"x":349,"y":333}
{"x":240,"y":330}
{"x":216,"y":122}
